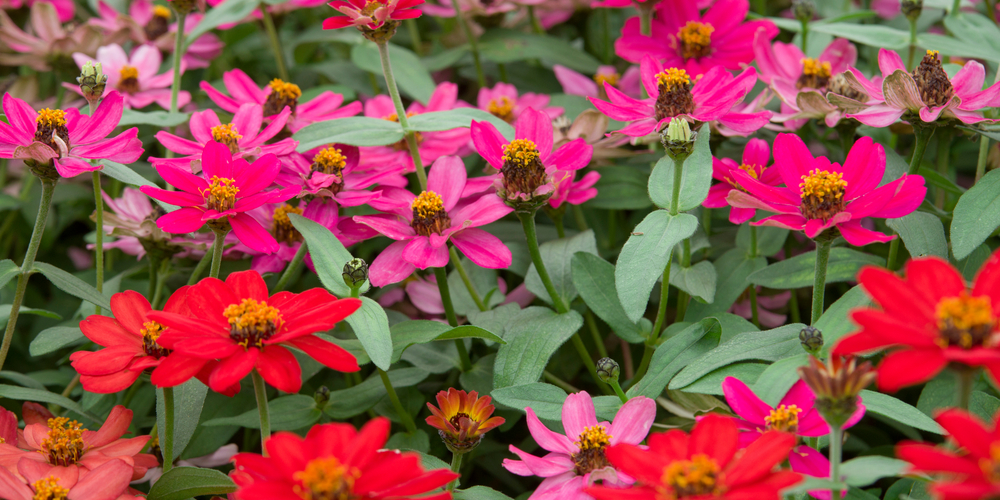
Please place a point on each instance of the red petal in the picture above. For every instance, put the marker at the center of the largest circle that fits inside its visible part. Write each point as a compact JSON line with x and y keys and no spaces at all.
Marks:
{"x":926,"y":458}
{"x":176,"y":369}
{"x":328,"y":353}
{"x":968,"y":431}
{"x":108,"y":332}
{"x":636,"y":462}
{"x":760,"y":458}
{"x":248,"y":285}
{"x":279,"y":368}
{"x":232,"y":369}
{"x":130,"y":308}
{"x":908,"y":367}
{"x":715,"y":436}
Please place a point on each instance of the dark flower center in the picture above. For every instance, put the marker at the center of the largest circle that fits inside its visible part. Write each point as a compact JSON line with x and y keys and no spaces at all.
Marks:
{"x":522,"y":169}
{"x":159,"y":24}
{"x":822,"y":194}
{"x":52,"y":122}
{"x":252,"y":322}
{"x":282,"y":227}
{"x":675,"y":94}
{"x":592,"y":443}
{"x":934,"y":85}
{"x":815,"y":74}
{"x":326,"y":479}
{"x":429,"y":215}
{"x":695,"y":39}
{"x":689,"y":478}
{"x":64,"y":444}
{"x":371,"y":6}
{"x":151,"y":331}
{"x":282,"y":94}
{"x":502,"y":108}
{"x":965,"y":321}
{"x":457,"y":419}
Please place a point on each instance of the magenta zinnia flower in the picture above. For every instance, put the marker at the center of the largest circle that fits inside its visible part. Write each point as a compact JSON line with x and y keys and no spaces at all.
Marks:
{"x":577,"y":459}
{"x":333,"y":172}
{"x":683,"y":38}
{"x":674,"y":94}
{"x":423,"y":225}
{"x":227,"y":188}
{"x":275,"y":96}
{"x":503,"y":102}
{"x":136,"y":76}
{"x":756,"y":156}
{"x":370,"y":14}
{"x":576,"y":84}
{"x":67,"y":139}
{"x":820,"y":195}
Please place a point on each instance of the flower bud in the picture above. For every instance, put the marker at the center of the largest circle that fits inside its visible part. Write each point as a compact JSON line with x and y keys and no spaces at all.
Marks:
{"x":837,"y":384}
{"x":355,"y":273}
{"x":804,"y":10}
{"x":92,"y":82}
{"x":678,"y":139}
{"x":608,"y":370}
{"x":184,"y":7}
{"x":321,"y":396}
{"x":912,"y":8}
{"x":811,"y":339}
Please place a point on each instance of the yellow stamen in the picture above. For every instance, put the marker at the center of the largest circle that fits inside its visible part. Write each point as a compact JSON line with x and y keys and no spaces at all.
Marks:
{"x":227,"y":134}
{"x":221,"y":193}
{"x":326,"y":479}
{"x":161,"y":11}
{"x":151,"y":331}
{"x":282,"y":228}
{"x":965,"y":320}
{"x":64,"y":444}
{"x":48,"y":489}
{"x":252,"y":322}
{"x":593,"y":438}
{"x":329,"y":161}
{"x":286,"y":90}
{"x":672,"y":79}
{"x":610,"y":78}
{"x":991,"y":466}
{"x":813,"y":67}
{"x":521,"y":152}
{"x":821,"y":183}
{"x":129,"y":72}
{"x":751,"y":170}
{"x":427,"y":205}
{"x":51,"y":118}
{"x":695,"y":38}
{"x":691,"y":477}
{"x":932,"y":53}
{"x":502,"y":108}
{"x":784,"y":418}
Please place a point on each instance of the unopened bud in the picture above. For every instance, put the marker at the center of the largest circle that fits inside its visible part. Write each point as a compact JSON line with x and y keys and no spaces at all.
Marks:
{"x":184,"y":7}
{"x":804,"y":10}
{"x":321,"y":396}
{"x":608,"y":370}
{"x":811,"y":339}
{"x":92,"y":82}
{"x":837,"y":384}
{"x":355,"y":273}
{"x":678,"y":139}
{"x":912,"y":9}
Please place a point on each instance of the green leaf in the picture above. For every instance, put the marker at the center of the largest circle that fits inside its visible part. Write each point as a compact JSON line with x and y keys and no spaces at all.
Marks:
{"x":355,"y":131}
{"x":698,"y":280}
{"x":328,"y":255}
{"x":124,"y":174}
{"x":411,"y":76}
{"x":532,"y":338}
{"x":778,"y":378}
{"x":371,"y":326}
{"x":352,"y":401}
{"x":5,"y":312}
{"x":922,"y":233}
{"x":39,"y":396}
{"x":770,"y":240}
{"x":868,"y":34}
{"x":977,"y":37}
{"x":546,"y":400}
{"x":836,"y":320}
{"x":479,"y":493}
{"x":732,"y":269}
{"x":594,"y":278}
{"x":288,"y":413}
{"x":769,"y":345}
{"x":229,"y":11}
{"x":621,"y":188}
{"x":696,"y":177}
{"x":189,"y":398}
{"x":976,"y":215}
{"x":72,"y":285}
{"x":798,"y":271}
{"x":458,"y":118}
{"x":711,"y":383}
{"x":55,"y":338}
{"x":646,"y":254}
{"x":894,"y":409}
{"x":971,"y":264}
{"x":557,"y":256}
{"x":8,"y":271}
{"x":674,"y":354}
{"x":421,"y":331}
{"x":181,"y":483}
{"x":162,"y":119}
{"x":504,"y":46}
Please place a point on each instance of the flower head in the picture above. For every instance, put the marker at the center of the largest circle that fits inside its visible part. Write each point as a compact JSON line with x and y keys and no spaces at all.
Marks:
{"x":927,"y":320}
{"x":821,"y":195}
{"x":576,"y":84}
{"x":371,"y":15}
{"x":131,"y":219}
{"x":334,"y":171}
{"x":34,"y":482}
{"x":48,"y":45}
{"x":137,"y":76}
{"x":504,"y":102}
{"x":462,"y":418}
{"x":756,"y":157}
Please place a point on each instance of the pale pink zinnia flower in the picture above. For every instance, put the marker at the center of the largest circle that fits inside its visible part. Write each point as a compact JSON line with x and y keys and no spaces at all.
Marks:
{"x":577,"y":459}
{"x":574,"y":83}
{"x":135,"y":76}
{"x":503,"y":102}
{"x":131,"y":220}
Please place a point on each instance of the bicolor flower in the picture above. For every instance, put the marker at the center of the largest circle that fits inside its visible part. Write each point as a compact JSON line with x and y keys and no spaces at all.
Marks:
{"x":334,"y":171}
{"x":756,"y":157}
{"x":503,"y":102}
{"x":462,"y":418}
{"x":370,"y":14}
{"x":135,"y":76}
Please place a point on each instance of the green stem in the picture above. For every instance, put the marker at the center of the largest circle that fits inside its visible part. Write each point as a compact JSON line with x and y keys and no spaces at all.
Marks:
{"x":260,"y":391}
{"x":609,"y":51}
{"x":403,"y":414}
{"x":595,"y":333}
{"x":836,"y":441}
{"x":991,"y":10}
{"x":581,"y":221}
{"x":661,"y":314}
{"x":913,"y":44}
{"x":217,"y":248}
{"x":99,"y":242}
{"x":943,"y":155}
{"x":200,"y":268}
{"x":473,"y":43}
{"x":675,"y":197}
{"x":48,"y":187}
{"x":645,"y":20}
{"x":272,"y":34}
{"x":449,"y":311}
{"x":921,"y":136}
{"x":805,"y":36}
{"x":966,"y":380}
{"x":456,"y":467}
{"x":292,"y":269}
{"x":753,"y":306}
{"x":390,"y":82}
{"x":457,"y":262}
{"x":984,"y":150}
{"x":528,"y":223}
{"x":556,"y":381}
{"x":502,"y":70}
{"x":167,"y":437}
{"x":152,"y":278}
{"x":161,"y":279}
{"x":955,"y":8}
{"x":536,"y":25}
{"x":618,"y":390}
{"x":560,"y":227}
{"x":414,"y":29}
{"x":819,"y":279}
{"x":793,"y":301}
{"x":175,"y":87}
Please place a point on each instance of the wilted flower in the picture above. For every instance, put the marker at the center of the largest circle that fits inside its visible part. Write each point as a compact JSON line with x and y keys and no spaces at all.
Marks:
{"x":131,"y":219}
{"x":462,"y":418}
{"x":836,"y":385}
{"x":50,"y":45}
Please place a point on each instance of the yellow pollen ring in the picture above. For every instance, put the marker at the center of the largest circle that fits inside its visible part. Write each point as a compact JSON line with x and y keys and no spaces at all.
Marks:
{"x":252,"y":315}
{"x":226,"y":134}
{"x":593,"y":438}
{"x":610,"y":78}
{"x":285,"y":90}
{"x":161,"y":11}
{"x":673,"y":78}
{"x":932,"y":53}
{"x":783,"y":418}
{"x":326,"y":478}
{"x":821,"y":183}
{"x":965,"y":312}
{"x":281,"y":215}
{"x":51,"y":118}
{"x":813,"y":67}
{"x":696,"y":34}
{"x":64,"y":442}
{"x":751,"y":170}
{"x":48,"y":489}
{"x":330,"y":160}
{"x":129,"y":72}
{"x":520,"y":151}
{"x":427,"y":205}
{"x":696,"y":476}
{"x":151,"y":330}
{"x":501,"y":106}
{"x":222,"y":190}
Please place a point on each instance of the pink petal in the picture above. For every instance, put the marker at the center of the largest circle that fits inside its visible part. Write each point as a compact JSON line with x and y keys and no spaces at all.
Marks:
{"x":447,"y":178}
{"x":482,"y":248}
{"x":633,"y":421}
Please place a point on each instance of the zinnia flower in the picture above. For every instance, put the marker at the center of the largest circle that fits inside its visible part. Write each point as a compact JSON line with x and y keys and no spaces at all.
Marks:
{"x":370,"y":14}
{"x":423,"y":224}
{"x":49,"y":45}
{"x":674,"y":94}
{"x":968,"y":473}
{"x":135,"y":77}
{"x":475,"y":8}
{"x":683,"y":38}
{"x":574,"y":83}
{"x":462,"y":418}
{"x":336,"y":461}
{"x":766,"y":307}
{"x":706,"y":464}
{"x":333,"y":171}
{"x":820,"y":195}
{"x":927,"y":320}
{"x":275,"y":96}
{"x":108,"y":481}
{"x":236,"y":322}
{"x":579,"y":458}
{"x":503,"y":102}
{"x":220,"y":197}
{"x":65,"y":8}
{"x":66,"y":140}
{"x":131,"y":219}
{"x":756,"y":156}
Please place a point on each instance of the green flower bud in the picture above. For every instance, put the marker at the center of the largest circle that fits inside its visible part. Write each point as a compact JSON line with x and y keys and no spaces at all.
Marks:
{"x":912,"y":8}
{"x":92,"y":82}
{"x":811,"y":339}
{"x":355,"y":273}
{"x":608,"y":370}
{"x":678,"y":139}
{"x":804,"y":10}
{"x":321,"y":396}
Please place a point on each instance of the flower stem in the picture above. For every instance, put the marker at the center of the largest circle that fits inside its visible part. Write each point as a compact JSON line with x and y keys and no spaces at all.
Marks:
{"x":48,"y":187}
{"x":449,"y":311}
{"x":292,"y":269}
{"x":595,"y":333}
{"x":661,"y":314}
{"x":403,"y":414}
{"x":793,"y":302}
{"x":160,"y":279}
{"x":819,"y":279}
{"x":528,"y":223}
{"x":200,"y":268}
{"x":836,"y":440}
{"x":675,"y":197}
{"x":414,"y":29}
{"x":456,"y":467}
{"x":609,"y":51}
{"x":272,"y":34}
{"x":99,"y":242}
{"x":473,"y":43}
{"x":921,"y":136}
{"x":943,"y":154}
{"x":955,"y":6}
{"x":217,"y":247}
{"x":411,"y":141}
{"x":645,"y":19}
{"x":966,"y":380}
{"x":618,"y":390}
{"x":167,"y":437}
{"x":260,"y":390}
{"x":175,"y":87}
{"x":913,"y":43}
{"x":456,"y":261}
{"x":536,"y":25}
{"x":984,"y":150}
{"x":805,"y":36}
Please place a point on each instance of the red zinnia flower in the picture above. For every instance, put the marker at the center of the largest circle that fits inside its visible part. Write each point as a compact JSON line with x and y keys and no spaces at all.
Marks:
{"x":236,"y":322}
{"x":927,"y":320}
{"x":370,"y":13}
{"x":336,"y":461}
{"x":973,"y":472}
{"x":703,"y":465}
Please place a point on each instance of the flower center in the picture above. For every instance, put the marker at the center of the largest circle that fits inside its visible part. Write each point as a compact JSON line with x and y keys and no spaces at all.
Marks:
{"x":228,"y":135}
{"x":401,"y":145}
{"x":371,"y":6}
{"x":151,"y":331}
{"x":784,"y":419}
{"x":991,"y":466}
{"x":822,"y":194}
{"x":282,"y":229}
{"x":815,"y":74}
{"x":965,"y":321}
{"x":592,"y":443}
{"x":252,"y":322}
{"x":934,"y":84}
{"x":838,"y":85}
{"x":694,"y":477}
{"x":429,"y":215}
{"x":522,"y":169}
{"x":48,"y":489}
{"x":51,"y":122}
{"x":64,"y":445}
{"x":159,"y":24}
{"x":326,"y":479}
{"x":611,"y":78}
{"x":457,"y":419}
{"x":282,"y":94}
{"x":129,"y":82}
{"x":695,"y":39}
{"x":751,"y":170}
{"x":221,"y":193}
{"x":502,"y":108}
{"x":331,"y":161}
{"x":675,"y":93}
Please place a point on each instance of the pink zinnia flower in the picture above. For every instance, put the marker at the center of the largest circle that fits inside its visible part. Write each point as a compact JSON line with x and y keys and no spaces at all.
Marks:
{"x":929,"y":93}
{"x":431,"y":145}
{"x":795,"y":414}
{"x":756,"y":157}
{"x":67,"y":139}
{"x":574,"y":83}
{"x":503,"y":102}
{"x":227,"y":188}
{"x":131,"y":219}
{"x":135,"y":77}
{"x":275,"y":96}
{"x":423,"y":225}
{"x":370,"y":14}
{"x":820,"y":195}
{"x":333,"y":171}
{"x":243,"y":136}
{"x":683,"y":38}
{"x":766,"y":305}
{"x":48,"y":42}
{"x":572,"y":191}
{"x":673,"y":94}
{"x":108,"y":481}
{"x":577,"y":459}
